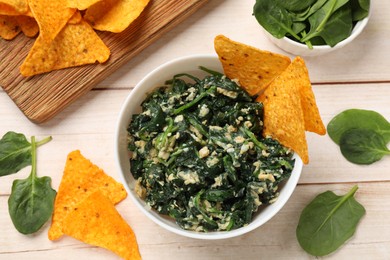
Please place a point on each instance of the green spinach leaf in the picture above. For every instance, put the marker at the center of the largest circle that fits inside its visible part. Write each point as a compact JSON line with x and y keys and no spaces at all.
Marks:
{"x":15,"y":152}
{"x":338,"y":27}
{"x":363,"y":146}
{"x":31,"y":201}
{"x":328,"y":221}
{"x":327,"y":16}
{"x":313,"y":22}
{"x":358,"y":118}
{"x":296,"y":5}
{"x":300,"y":17}
{"x":360,"y":9}
{"x":274,"y":18}
{"x":298,"y":27}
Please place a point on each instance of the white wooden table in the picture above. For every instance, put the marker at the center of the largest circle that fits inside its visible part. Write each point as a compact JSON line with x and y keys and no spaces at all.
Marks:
{"x":357,"y":76}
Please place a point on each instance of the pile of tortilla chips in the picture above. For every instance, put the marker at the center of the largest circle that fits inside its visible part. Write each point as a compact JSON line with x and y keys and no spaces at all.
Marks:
{"x":281,"y":85}
{"x":84,"y":208}
{"x":66,"y":29}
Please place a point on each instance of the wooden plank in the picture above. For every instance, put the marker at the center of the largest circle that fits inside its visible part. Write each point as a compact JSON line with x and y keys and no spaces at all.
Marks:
{"x":43,"y":96}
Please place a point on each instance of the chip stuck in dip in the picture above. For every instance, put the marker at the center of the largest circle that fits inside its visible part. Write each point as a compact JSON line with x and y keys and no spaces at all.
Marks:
{"x":255,"y":69}
{"x":290,"y":107}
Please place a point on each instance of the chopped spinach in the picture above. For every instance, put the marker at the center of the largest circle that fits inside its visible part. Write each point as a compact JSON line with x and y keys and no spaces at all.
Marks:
{"x":328,"y":221}
{"x":311,"y":22}
{"x":198,"y":154}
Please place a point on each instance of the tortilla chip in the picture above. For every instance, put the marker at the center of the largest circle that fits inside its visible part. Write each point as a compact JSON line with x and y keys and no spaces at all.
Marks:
{"x":7,"y":10}
{"x":9,"y":27}
{"x":77,"y":44}
{"x":82,"y":4}
{"x":76,"y":18}
{"x":311,"y":114}
{"x":19,"y":6}
{"x":114,"y":15}
{"x":96,"y":221}
{"x":28,"y":25}
{"x":255,"y":69}
{"x":81,"y":178}
{"x":51,"y":16}
{"x":283,"y":115}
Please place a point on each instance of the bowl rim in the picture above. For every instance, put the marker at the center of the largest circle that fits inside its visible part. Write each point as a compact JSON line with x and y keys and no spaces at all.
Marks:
{"x":289,"y":184}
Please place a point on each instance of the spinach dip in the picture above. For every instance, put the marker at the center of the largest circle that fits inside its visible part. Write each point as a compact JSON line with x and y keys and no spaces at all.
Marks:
{"x":198,"y":155}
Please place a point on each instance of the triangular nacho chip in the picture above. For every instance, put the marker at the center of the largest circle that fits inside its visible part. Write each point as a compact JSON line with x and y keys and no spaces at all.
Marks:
{"x":9,"y":27}
{"x":77,"y":44}
{"x":255,"y":69}
{"x":28,"y":25}
{"x":17,"y":6}
{"x":283,"y":115}
{"x":8,"y":10}
{"x":51,"y":17}
{"x":311,"y":114}
{"x":114,"y":15}
{"x":81,"y":178}
{"x":95,"y":221}
{"x":76,"y":18}
{"x":81,"y":4}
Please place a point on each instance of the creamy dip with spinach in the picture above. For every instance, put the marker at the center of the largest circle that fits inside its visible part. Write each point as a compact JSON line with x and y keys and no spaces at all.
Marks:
{"x":198,"y":154}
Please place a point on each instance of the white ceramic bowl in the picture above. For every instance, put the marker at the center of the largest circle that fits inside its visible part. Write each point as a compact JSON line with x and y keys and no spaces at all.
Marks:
{"x":301,"y":49}
{"x":155,"y":79}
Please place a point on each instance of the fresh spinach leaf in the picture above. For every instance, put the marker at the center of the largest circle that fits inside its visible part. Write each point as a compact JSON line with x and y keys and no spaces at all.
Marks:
{"x":300,"y":17}
{"x":328,"y":221}
{"x":317,"y":41}
{"x":360,"y":9}
{"x":15,"y":152}
{"x":358,"y":118}
{"x":298,"y":27}
{"x":338,"y":27}
{"x":313,"y":22}
{"x":364,"y":4}
{"x":296,"y":5}
{"x":31,"y":201}
{"x":363,"y":146}
{"x":330,"y":15}
{"x":274,"y":18}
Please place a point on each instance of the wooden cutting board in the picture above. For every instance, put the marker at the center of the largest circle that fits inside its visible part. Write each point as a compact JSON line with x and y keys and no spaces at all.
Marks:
{"x":43,"y":96}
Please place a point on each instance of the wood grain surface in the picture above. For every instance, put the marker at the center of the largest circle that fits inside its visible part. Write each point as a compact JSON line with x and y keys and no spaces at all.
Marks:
{"x":41,"y":97}
{"x":356,"y":76}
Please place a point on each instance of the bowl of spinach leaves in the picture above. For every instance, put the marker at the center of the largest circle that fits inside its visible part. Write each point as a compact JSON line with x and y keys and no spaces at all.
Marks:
{"x":190,"y":152}
{"x":314,"y":27}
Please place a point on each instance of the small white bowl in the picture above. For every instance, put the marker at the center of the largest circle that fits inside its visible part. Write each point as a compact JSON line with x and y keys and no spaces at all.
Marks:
{"x":131,"y":106}
{"x":301,"y":49}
